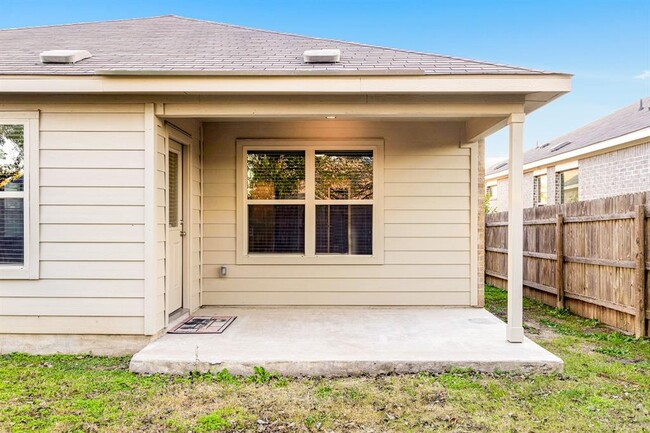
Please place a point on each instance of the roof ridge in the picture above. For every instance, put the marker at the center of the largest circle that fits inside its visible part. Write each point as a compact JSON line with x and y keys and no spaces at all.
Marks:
{"x":90,"y":22}
{"x":360,"y":44}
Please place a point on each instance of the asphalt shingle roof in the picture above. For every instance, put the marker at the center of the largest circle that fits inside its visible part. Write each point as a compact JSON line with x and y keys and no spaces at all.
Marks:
{"x":172,"y":44}
{"x":624,"y":121}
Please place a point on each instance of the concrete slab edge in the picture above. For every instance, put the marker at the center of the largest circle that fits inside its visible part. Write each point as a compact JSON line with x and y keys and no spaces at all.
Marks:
{"x":344,"y":368}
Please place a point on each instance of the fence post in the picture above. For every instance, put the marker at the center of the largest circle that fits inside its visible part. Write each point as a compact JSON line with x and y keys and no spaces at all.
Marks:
{"x":640,"y":273}
{"x":559,"y":260}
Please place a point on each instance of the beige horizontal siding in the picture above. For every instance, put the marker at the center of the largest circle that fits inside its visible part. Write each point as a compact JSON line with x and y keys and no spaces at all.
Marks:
{"x":88,"y":325}
{"x":107,"y":251}
{"x":73,"y":214}
{"x":115,"y":177}
{"x":426,"y":222}
{"x":398,"y":298}
{"x":91,"y":226}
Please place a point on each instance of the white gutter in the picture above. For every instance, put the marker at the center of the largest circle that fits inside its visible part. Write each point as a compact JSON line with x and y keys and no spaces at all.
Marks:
{"x":592,"y":148}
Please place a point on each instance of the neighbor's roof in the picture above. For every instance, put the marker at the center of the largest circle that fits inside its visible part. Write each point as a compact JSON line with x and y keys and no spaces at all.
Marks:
{"x":624,"y":121}
{"x":172,"y":44}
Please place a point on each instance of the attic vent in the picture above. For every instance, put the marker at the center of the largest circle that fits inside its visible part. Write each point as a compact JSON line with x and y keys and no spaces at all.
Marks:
{"x":322,"y":56}
{"x":64,"y":56}
{"x":544,"y":145}
{"x":560,"y":146}
{"x":498,"y":166}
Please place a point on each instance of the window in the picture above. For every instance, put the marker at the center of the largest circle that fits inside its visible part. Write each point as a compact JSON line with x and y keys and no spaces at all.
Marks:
{"x":569,"y":186}
{"x":540,"y":193}
{"x":18,"y":177}
{"x":309,"y":203}
{"x":491,"y":191}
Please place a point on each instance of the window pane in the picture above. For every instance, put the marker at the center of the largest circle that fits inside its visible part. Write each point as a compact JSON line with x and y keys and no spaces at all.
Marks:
{"x":569,"y":186}
{"x":344,"y":229}
{"x":541,"y":190}
{"x":343,"y":175}
{"x":276,"y":229}
{"x":12,"y":238}
{"x":12,"y":140}
{"x":173,"y":189}
{"x":276,"y":175}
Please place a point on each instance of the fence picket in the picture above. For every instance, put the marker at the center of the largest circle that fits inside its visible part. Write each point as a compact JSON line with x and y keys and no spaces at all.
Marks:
{"x":589,"y":257}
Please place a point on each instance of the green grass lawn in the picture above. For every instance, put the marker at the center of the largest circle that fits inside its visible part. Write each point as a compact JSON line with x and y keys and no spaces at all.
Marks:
{"x":605,"y":388}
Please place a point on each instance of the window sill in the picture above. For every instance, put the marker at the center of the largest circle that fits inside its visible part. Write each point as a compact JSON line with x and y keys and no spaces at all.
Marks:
{"x":291,"y":259}
{"x":8,"y":272}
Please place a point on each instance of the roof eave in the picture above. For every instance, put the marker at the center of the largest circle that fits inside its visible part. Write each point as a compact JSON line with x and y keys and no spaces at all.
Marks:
{"x":542,"y":87}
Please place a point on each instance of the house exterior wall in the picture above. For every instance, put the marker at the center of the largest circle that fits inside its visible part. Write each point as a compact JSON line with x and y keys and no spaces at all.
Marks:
{"x":426,"y":221}
{"x":553,"y":187}
{"x":91,"y":225}
{"x":528,"y":189}
{"x":502,"y":195}
{"x":623,"y":171}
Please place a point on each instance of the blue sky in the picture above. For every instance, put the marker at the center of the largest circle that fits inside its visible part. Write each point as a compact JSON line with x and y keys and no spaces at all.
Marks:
{"x":605,"y":44}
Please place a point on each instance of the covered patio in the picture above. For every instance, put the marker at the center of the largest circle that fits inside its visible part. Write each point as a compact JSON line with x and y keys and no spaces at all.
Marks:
{"x":347,"y":341}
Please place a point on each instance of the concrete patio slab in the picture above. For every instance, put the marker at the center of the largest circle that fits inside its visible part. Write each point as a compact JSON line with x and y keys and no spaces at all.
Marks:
{"x":297,"y":341}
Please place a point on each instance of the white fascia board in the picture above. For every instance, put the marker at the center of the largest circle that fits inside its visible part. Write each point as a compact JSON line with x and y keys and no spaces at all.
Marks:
{"x":294,"y":84}
{"x":582,"y":152}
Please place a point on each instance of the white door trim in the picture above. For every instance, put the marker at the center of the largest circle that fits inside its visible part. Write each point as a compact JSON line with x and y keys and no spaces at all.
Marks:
{"x":184,"y":142}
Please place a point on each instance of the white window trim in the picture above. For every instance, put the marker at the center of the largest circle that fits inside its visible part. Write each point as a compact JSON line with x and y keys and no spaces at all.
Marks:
{"x":310,"y":258}
{"x":30,"y":267}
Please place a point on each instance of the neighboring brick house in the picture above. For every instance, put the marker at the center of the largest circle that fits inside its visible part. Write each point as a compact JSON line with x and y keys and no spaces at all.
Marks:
{"x":609,"y":156}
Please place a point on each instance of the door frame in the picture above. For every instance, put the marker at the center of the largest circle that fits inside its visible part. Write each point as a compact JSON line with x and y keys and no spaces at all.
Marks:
{"x":185,"y":141}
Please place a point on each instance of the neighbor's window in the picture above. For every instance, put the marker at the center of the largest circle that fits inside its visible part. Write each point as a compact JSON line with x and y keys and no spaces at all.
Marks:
{"x":541,"y":190}
{"x":309,"y":201}
{"x":491,"y":191}
{"x":12,"y":194}
{"x":569,"y":186}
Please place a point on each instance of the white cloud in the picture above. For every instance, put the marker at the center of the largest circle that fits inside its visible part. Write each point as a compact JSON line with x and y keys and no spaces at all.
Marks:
{"x":644,"y":75}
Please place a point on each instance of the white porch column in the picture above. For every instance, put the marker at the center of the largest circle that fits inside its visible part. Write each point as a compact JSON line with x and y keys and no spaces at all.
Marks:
{"x":515,"y":329}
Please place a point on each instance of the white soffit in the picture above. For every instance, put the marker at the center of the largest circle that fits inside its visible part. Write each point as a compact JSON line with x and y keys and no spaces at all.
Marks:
{"x":64,"y":56}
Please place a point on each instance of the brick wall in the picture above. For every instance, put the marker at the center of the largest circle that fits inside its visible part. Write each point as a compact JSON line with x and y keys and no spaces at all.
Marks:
{"x":502,"y":195}
{"x":621,"y":172}
{"x":529,"y":189}
{"x":552,"y":185}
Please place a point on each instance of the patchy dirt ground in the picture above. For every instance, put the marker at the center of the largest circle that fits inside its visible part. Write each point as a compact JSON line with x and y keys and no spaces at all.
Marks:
{"x":605,"y":388}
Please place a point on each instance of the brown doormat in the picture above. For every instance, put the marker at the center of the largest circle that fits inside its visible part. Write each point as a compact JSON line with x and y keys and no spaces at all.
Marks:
{"x":203,"y":325}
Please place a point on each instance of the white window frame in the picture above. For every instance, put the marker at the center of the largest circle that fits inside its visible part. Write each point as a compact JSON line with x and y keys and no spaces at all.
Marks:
{"x":30,"y":267}
{"x":310,"y":146}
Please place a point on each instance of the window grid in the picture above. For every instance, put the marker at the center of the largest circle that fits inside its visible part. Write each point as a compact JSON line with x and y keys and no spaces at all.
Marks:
{"x":310,"y":202}
{"x":19,"y":198}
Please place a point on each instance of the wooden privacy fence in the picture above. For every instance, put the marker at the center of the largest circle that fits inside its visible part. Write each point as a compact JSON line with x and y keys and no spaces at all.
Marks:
{"x":591,"y":257}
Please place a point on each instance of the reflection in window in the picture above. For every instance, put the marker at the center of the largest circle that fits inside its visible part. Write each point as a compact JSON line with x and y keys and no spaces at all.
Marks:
{"x":12,"y":194}
{"x":276,"y":229}
{"x":276,"y":175}
{"x":541,"y":190}
{"x":569,"y":186}
{"x":344,"y":229}
{"x":344,"y":175}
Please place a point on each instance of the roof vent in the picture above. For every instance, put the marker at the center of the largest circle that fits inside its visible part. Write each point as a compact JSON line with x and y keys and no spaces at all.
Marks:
{"x":322,"y":56}
{"x":500,"y":165}
{"x":560,"y":146}
{"x":64,"y":56}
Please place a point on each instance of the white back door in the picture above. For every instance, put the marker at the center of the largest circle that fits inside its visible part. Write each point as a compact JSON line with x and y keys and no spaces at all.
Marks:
{"x":176,"y":233}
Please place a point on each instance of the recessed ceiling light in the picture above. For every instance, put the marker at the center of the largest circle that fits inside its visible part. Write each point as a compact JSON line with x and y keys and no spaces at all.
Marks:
{"x":330,"y":117}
